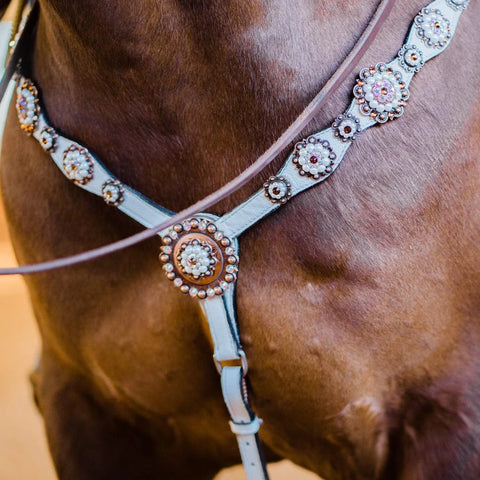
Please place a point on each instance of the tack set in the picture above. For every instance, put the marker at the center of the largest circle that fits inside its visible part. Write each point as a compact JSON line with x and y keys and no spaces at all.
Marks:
{"x":201,"y":256}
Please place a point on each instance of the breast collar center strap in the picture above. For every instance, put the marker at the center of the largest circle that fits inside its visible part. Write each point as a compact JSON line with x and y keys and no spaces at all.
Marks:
{"x":201,"y":255}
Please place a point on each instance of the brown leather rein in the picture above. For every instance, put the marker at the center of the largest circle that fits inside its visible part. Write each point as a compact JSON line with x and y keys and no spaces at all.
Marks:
{"x":345,"y":69}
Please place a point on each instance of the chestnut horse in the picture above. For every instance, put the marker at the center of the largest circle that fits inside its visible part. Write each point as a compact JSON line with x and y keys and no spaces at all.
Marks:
{"x":358,"y":302}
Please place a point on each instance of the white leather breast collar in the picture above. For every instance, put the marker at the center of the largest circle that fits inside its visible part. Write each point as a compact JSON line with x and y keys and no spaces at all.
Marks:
{"x":201,"y":255}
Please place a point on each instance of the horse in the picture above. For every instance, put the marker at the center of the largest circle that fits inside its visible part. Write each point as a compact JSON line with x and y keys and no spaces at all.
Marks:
{"x":357,"y":301}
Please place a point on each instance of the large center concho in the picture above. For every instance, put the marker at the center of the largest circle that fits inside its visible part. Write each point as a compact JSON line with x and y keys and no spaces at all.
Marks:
{"x":198,"y":258}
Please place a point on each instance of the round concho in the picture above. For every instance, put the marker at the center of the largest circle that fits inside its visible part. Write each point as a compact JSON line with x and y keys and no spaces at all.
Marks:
{"x":458,"y":4}
{"x":113,"y":192}
{"x":411,"y":58}
{"x":48,"y":139}
{"x":78,"y":165}
{"x":198,"y":258}
{"x":27,"y":106}
{"x":346,"y":127}
{"x":433,"y":28}
{"x":278,"y":189}
{"x":381,"y":93}
{"x":314,"y":157}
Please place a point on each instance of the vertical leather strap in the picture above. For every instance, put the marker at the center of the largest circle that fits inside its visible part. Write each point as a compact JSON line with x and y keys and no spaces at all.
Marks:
{"x":227,"y":348}
{"x":226,"y":345}
{"x":244,"y":424}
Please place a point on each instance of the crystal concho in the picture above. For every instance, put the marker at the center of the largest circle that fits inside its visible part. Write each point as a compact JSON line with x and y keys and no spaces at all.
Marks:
{"x":198,"y":258}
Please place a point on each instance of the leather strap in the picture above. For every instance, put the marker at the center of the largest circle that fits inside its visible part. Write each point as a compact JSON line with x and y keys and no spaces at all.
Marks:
{"x":223,"y":331}
{"x":244,"y":423}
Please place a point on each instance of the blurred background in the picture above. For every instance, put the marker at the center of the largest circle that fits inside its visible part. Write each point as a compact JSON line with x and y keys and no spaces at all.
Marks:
{"x":23,"y":447}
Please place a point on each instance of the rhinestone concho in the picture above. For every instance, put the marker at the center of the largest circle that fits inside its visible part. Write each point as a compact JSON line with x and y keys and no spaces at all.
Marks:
{"x":113,"y":192}
{"x":411,"y":58}
{"x":346,"y":127}
{"x":27,"y":106}
{"x":78,"y":165}
{"x":381,"y":93}
{"x":48,"y":139}
{"x":433,"y":28}
{"x":314,"y":157}
{"x":277,"y":189}
{"x":199,"y":259}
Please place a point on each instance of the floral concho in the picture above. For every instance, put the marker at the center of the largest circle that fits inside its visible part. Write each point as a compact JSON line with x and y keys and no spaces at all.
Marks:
{"x":381,"y":93}
{"x":411,"y":58}
{"x":78,"y":165}
{"x":433,"y":28}
{"x":48,"y":139}
{"x":198,"y":258}
{"x":346,"y":127}
{"x":27,"y":106}
{"x":113,"y":192}
{"x":314,"y":157}
{"x":278,"y":189}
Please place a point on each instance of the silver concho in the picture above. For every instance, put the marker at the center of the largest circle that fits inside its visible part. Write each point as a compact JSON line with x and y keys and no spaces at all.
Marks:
{"x":411,"y":58}
{"x":113,"y":192}
{"x":381,"y":93}
{"x":27,"y":106}
{"x":433,"y":28}
{"x":346,"y":127}
{"x":199,"y":259}
{"x":278,"y":189}
{"x":48,"y":139}
{"x":458,"y":4}
{"x":314,"y":157}
{"x":78,"y":165}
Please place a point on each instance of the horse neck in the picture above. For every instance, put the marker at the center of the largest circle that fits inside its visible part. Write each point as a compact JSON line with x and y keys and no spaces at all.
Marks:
{"x":187,"y":93}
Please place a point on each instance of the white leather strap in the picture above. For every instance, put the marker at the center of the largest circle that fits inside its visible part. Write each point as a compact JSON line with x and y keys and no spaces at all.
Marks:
{"x":225,"y":340}
{"x":134,"y":204}
{"x":244,"y":423}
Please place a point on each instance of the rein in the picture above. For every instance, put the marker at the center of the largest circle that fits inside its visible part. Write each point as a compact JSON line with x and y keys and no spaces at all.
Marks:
{"x":345,"y":69}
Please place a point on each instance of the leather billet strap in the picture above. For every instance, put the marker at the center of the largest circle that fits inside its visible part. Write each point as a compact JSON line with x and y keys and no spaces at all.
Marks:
{"x":227,"y":348}
{"x":244,"y":424}
{"x":223,"y":328}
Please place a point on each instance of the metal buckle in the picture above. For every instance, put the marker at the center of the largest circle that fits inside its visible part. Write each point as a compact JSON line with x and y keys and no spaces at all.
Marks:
{"x":232,"y":363}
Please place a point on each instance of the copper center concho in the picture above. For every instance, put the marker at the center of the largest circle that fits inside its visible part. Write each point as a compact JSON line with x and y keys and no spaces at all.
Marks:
{"x":198,"y":258}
